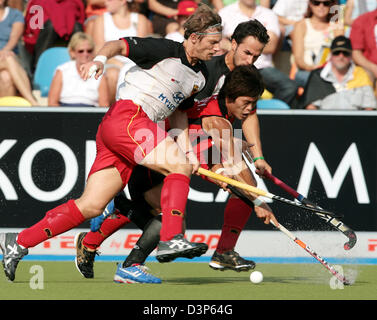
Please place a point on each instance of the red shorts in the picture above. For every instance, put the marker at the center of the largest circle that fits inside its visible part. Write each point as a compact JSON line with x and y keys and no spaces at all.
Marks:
{"x":124,"y":137}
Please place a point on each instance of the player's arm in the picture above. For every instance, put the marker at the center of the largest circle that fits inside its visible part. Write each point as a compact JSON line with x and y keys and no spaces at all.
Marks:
{"x":262,"y":209}
{"x":251,"y":131}
{"x":109,"y":50}
{"x":179,"y":123}
{"x":221,"y":132}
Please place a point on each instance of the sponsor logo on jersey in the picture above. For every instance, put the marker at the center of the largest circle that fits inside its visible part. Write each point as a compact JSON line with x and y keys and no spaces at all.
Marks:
{"x":178,"y":97}
{"x":195,"y":89}
{"x":164,"y":99}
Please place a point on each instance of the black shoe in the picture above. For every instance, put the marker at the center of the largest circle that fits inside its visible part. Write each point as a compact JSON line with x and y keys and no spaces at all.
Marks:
{"x":179,"y":247}
{"x":12,"y":253}
{"x":230,"y":260}
{"x":84,"y":257}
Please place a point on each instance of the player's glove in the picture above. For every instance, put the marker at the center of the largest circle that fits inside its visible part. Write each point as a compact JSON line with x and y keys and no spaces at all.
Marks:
{"x":95,"y":223}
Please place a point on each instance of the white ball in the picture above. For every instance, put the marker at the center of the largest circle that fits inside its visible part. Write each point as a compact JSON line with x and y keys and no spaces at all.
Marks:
{"x":256,"y":277}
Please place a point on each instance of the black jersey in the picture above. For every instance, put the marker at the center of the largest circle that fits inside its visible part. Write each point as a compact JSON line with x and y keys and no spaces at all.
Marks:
{"x":217,"y":70}
{"x":162,"y":78}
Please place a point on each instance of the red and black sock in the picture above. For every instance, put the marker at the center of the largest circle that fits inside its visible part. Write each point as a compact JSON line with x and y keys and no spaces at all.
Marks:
{"x":56,"y":221}
{"x":236,"y":215}
{"x":174,"y":195}
{"x":110,"y":225}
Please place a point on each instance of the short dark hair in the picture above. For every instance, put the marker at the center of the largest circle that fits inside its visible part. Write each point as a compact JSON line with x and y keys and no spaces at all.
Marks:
{"x":243,"y":81}
{"x":251,"y":28}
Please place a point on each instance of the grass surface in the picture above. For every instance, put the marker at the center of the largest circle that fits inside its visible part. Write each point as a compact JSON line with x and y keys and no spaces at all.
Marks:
{"x":189,"y":281}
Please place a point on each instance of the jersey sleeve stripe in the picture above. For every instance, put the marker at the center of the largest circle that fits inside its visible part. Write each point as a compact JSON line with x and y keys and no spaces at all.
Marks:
{"x":127,"y":45}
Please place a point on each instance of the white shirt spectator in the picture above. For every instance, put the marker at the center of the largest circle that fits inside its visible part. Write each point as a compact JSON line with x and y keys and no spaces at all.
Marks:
{"x":112,"y":32}
{"x":231,"y":16}
{"x":291,"y":9}
{"x":74,"y":89}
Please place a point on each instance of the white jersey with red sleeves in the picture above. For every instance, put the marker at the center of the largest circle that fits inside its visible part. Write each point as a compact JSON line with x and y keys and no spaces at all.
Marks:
{"x":162,"y":79}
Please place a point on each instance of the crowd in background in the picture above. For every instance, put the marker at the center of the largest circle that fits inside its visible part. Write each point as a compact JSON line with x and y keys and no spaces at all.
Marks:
{"x":322,"y":54}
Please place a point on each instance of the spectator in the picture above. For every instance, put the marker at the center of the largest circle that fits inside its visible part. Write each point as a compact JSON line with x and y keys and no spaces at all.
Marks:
{"x":185,"y":9}
{"x":355,"y":8}
{"x":11,"y":27}
{"x":340,"y":84}
{"x":311,"y":36}
{"x":13,"y":77}
{"x":93,"y":9}
{"x":118,"y":21}
{"x":17,"y":4}
{"x":364,"y":42}
{"x":266,"y":3}
{"x":277,"y":82}
{"x":289,"y":12}
{"x":163,"y":13}
{"x":68,"y":88}
{"x":61,"y":19}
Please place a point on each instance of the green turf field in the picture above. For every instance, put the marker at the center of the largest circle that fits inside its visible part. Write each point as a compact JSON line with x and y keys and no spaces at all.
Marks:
{"x":187,"y":281}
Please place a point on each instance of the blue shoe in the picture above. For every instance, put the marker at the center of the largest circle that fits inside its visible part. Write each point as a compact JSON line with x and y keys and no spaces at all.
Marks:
{"x":95,"y":223}
{"x":137,"y":273}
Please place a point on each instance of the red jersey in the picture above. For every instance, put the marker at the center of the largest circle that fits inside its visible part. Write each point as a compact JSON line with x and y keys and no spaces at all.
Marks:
{"x":208,"y":107}
{"x":201,"y":141}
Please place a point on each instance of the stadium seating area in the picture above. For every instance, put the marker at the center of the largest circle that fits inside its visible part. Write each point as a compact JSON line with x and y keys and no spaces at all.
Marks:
{"x":46,"y":66}
{"x":41,"y":52}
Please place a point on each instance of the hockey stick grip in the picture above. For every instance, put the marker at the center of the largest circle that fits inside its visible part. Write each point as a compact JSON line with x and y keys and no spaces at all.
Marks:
{"x":284,"y":186}
{"x":290,"y":190}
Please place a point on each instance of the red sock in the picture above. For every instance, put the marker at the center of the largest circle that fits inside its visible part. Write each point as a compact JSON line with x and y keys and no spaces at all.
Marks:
{"x":174,"y":195}
{"x":56,"y":221}
{"x":110,"y":225}
{"x":236,"y":215}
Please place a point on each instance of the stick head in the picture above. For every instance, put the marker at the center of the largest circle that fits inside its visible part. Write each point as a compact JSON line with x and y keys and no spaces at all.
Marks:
{"x":352,"y":240}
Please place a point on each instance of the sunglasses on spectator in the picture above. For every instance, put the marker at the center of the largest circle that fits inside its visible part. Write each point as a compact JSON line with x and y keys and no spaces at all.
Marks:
{"x":344,"y":53}
{"x":87,"y":51}
{"x":318,"y":3}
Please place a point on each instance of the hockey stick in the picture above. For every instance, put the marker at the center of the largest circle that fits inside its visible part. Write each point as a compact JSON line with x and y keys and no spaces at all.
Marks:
{"x":329,"y":267}
{"x":260,"y":192}
{"x":339,"y":225}
{"x":295,"y":239}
